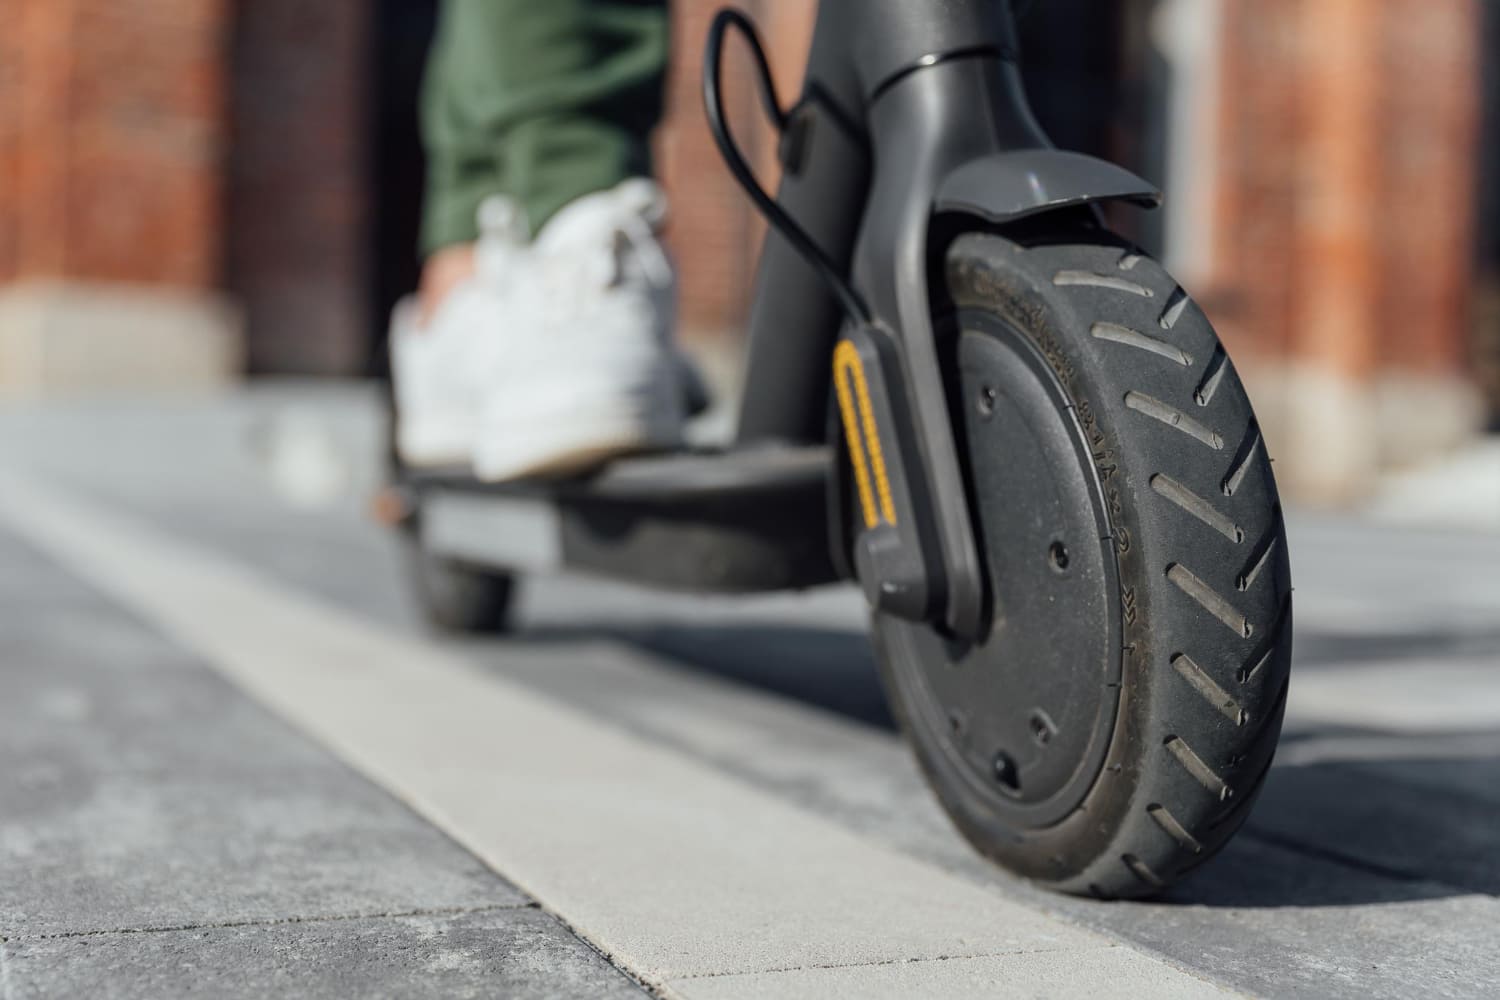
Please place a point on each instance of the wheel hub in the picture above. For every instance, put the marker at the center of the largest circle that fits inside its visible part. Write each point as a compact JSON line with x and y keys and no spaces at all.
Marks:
{"x":1027,"y":709}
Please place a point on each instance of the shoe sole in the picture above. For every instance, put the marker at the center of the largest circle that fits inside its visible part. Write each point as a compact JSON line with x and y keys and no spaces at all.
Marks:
{"x":568,"y":460}
{"x":429,"y":442}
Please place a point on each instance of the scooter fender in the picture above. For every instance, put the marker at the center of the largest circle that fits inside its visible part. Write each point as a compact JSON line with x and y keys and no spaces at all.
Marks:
{"x":1004,"y":187}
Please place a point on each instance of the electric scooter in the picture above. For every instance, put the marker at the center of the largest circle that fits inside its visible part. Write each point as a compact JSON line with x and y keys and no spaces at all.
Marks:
{"x":1011,"y":427}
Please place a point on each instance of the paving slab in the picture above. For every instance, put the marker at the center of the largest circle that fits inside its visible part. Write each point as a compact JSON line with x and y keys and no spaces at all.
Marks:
{"x":1275,"y":923}
{"x":665,"y":865}
{"x":1114,"y":972}
{"x":89,"y":690}
{"x":141,"y":790}
{"x":1292,"y":917}
{"x":1381,"y":585}
{"x":1466,"y":771}
{"x":148,"y":850}
{"x":1371,"y":818}
{"x":1288,"y":910}
{"x":477,"y":954}
{"x":1411,"y":694}
{"x":211,"y":467}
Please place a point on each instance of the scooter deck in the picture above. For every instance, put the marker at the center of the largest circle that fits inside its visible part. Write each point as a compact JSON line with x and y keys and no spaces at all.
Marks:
{"x":747,"y":519}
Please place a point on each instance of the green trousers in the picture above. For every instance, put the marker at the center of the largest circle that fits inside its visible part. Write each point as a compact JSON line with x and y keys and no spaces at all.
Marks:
{"x":542,"y":100}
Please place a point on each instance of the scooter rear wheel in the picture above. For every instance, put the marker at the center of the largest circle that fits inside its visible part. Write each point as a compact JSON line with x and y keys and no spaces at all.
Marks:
{"x":458,"y":597}
{"x":1112,"y":726}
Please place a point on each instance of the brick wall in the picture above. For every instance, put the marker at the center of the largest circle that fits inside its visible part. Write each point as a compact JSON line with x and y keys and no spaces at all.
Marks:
{"x":1341,"y":268}
{"x":1429,"y":63}
{"x":111,"y":140}
{"x":193,"y":146}
{"x":713,"y":229}
{"x":1346,"y":171}
{"x":10,"y":135}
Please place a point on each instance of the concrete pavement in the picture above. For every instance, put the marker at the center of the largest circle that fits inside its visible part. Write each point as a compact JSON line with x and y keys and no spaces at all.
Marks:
{"x":164,"y":835}
{"x":1369,"y":867}
{"x":677,"y":873}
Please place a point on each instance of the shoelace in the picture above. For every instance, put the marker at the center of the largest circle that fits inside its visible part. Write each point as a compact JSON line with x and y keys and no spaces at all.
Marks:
{"x":562,"y":275}
{"x":502,"y":238}
{"x":641,"y":236}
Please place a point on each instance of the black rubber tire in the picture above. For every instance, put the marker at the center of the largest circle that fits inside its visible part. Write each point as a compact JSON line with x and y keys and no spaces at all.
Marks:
{"x":1201,"y":552}
{"x":455,"y":597}
{"x":451,"y":596}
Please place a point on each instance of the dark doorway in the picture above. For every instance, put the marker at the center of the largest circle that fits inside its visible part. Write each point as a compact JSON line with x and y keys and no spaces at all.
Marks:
{"x":1486,"y":328}
{"x":402,"y":31}
{"x":1099,"y":87}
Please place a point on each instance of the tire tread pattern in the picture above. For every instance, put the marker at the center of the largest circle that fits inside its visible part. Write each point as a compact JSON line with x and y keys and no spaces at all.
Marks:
{"x":1202,"y":547}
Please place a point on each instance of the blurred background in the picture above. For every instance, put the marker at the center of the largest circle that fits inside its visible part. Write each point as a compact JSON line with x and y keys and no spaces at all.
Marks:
{"x":197,"y":191}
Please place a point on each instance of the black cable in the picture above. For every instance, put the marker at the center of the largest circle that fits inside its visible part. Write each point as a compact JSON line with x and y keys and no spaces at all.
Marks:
{"x":713,"y":100}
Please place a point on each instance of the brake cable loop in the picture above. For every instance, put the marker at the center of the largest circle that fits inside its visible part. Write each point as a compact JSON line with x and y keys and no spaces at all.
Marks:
{"x":849,"y":300}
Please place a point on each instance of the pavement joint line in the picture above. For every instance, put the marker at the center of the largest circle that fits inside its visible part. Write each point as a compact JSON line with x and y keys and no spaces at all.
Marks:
{"x":212,"y":925}
{"x":1118,"y":946}
{"x":613,"y":961}
{"x":930,"y":959}
{"x":688,"y":871}
{"x":1195,"y":978}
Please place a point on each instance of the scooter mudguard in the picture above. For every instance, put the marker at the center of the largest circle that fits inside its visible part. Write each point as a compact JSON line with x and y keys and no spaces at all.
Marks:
{"x":1004,"y":187}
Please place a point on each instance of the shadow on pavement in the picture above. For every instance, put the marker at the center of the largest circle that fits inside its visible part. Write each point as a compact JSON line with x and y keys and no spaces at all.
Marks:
{"x":830,"y":669}
{"x":1372,"y":817}
{"x":1343,"y":833}
{"x":826,"y":668}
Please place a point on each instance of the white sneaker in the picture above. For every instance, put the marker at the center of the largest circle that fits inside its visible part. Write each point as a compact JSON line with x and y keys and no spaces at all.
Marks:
{"x":440,"y":372}
{"x":587,"y":370}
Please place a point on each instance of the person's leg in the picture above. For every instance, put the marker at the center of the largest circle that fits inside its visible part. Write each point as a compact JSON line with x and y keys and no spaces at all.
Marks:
{"x":541,"y":100}
{"x":541,"y":356}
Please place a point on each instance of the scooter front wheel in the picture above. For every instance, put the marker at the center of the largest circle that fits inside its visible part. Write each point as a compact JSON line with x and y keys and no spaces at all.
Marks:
{"x":1111,"y":727}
